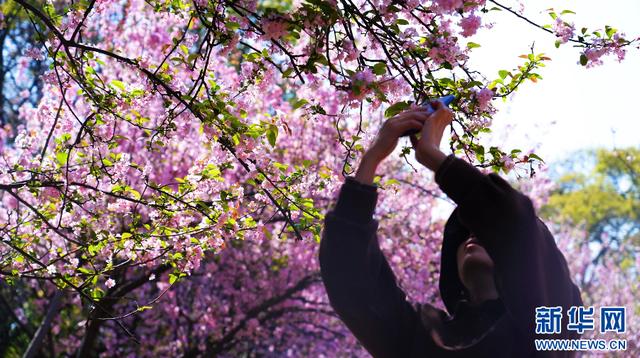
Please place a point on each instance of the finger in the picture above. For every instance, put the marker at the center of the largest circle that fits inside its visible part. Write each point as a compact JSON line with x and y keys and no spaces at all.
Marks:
{"x":421,"y":115}
{"x":414,"y":140}
{"x":437,"y":105}
{"x":403,"y":126}
{"x":414,"y":110}
{"x":444,"y":114}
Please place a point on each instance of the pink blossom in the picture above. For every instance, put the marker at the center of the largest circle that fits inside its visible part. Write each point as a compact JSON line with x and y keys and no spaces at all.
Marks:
{"x":470,"y":25}
{"x":448,"y":5}
{"x":444,"y":47}
{"x":593,"y":56}
{"x":563,"y":30}
{"x":350,"y":51}
{"x":366,"y":76}
{"x":51,"y":269}
{"x":274,"y":29}
{"x":110,"y":283}
{"x":34,"y":53}
{"x":508,"y":162}
{"x":72,"y":20}
{"x":602,"y":47}
{"x":361,"y":84}
{"x":484,"y":97}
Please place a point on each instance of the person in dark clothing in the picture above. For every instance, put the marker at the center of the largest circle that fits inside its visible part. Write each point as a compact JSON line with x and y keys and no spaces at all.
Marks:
{"x":498,"y":261}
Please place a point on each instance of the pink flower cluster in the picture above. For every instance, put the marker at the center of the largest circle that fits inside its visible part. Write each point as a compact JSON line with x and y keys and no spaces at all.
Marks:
{"x":273,"y":28}
{"x":34,"y":53}
{"x":563,"y":30}
{"x":448,"y":6}
{"x":349,"y":51}
{"x":603,"y":47}
{"x":444,"y":49}
{"x":508,"y":162}
{"x":484,"y":97}
{"x":366,"y":76}
{"x":470,"y":25}
{"x":360,"y":84}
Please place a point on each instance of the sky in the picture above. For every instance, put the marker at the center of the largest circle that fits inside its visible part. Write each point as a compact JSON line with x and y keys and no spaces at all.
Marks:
{"x":572,"y":107}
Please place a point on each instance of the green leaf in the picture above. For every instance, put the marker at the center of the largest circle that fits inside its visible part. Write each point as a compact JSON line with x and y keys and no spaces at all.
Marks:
{"x":391,"y":182}
{"x":272,"y":134}
{"x":62,"y":157}
{"x":287,"y":72}
{"x":318,"y":109}
{"x":172,"y":278}
{"x":583,"y":60}
{"x":280,"y":166}
{"x":567,"y":12}
{"x":136,"y":194}
{"x":446,"y":81}
{"x":300,"y":103}
{"x":380,"y":68}
{"x":472,"y":45}
{"x":534,"y":156}
{"x":118,"y":84}
{"x":503,"y":74}
{"x":610,"y":31}
{"x":232,"y":25}
{"x":395,"y":109}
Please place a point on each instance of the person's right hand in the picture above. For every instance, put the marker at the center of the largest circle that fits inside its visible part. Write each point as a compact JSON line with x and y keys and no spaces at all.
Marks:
{"x":428,"y":146}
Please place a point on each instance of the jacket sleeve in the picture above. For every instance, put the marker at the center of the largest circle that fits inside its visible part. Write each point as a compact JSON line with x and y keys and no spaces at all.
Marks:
{"x":361,"y":287}
{"x":530,"y":269}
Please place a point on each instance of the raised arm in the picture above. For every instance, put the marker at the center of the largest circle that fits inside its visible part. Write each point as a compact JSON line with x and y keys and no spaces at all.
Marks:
{"x":361,"y":286}
{"x":531,"y":270}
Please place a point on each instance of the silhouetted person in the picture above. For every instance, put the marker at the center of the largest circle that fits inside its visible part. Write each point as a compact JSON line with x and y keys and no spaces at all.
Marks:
{"x":499,"y":262}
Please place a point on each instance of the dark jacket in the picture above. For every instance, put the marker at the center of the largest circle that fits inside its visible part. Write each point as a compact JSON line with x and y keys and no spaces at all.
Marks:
{"x":530,"y":272}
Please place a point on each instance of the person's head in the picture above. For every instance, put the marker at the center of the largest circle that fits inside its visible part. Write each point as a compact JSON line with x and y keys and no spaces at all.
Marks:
{"x":475,"y":268}
{"x":466,"y":268}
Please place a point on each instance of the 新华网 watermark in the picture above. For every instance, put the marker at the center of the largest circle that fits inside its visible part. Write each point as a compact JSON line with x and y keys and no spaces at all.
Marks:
{"x":580,"y":319}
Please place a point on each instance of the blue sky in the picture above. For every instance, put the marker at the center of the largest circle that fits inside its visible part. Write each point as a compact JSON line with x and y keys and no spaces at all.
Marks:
{"x":572,"y":107}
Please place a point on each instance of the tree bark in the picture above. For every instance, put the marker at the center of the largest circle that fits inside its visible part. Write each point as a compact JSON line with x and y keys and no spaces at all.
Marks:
{"x":36,"y":342}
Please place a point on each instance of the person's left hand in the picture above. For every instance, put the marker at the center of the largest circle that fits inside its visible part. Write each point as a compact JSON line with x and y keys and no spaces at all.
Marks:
{"x":392,"y":129}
